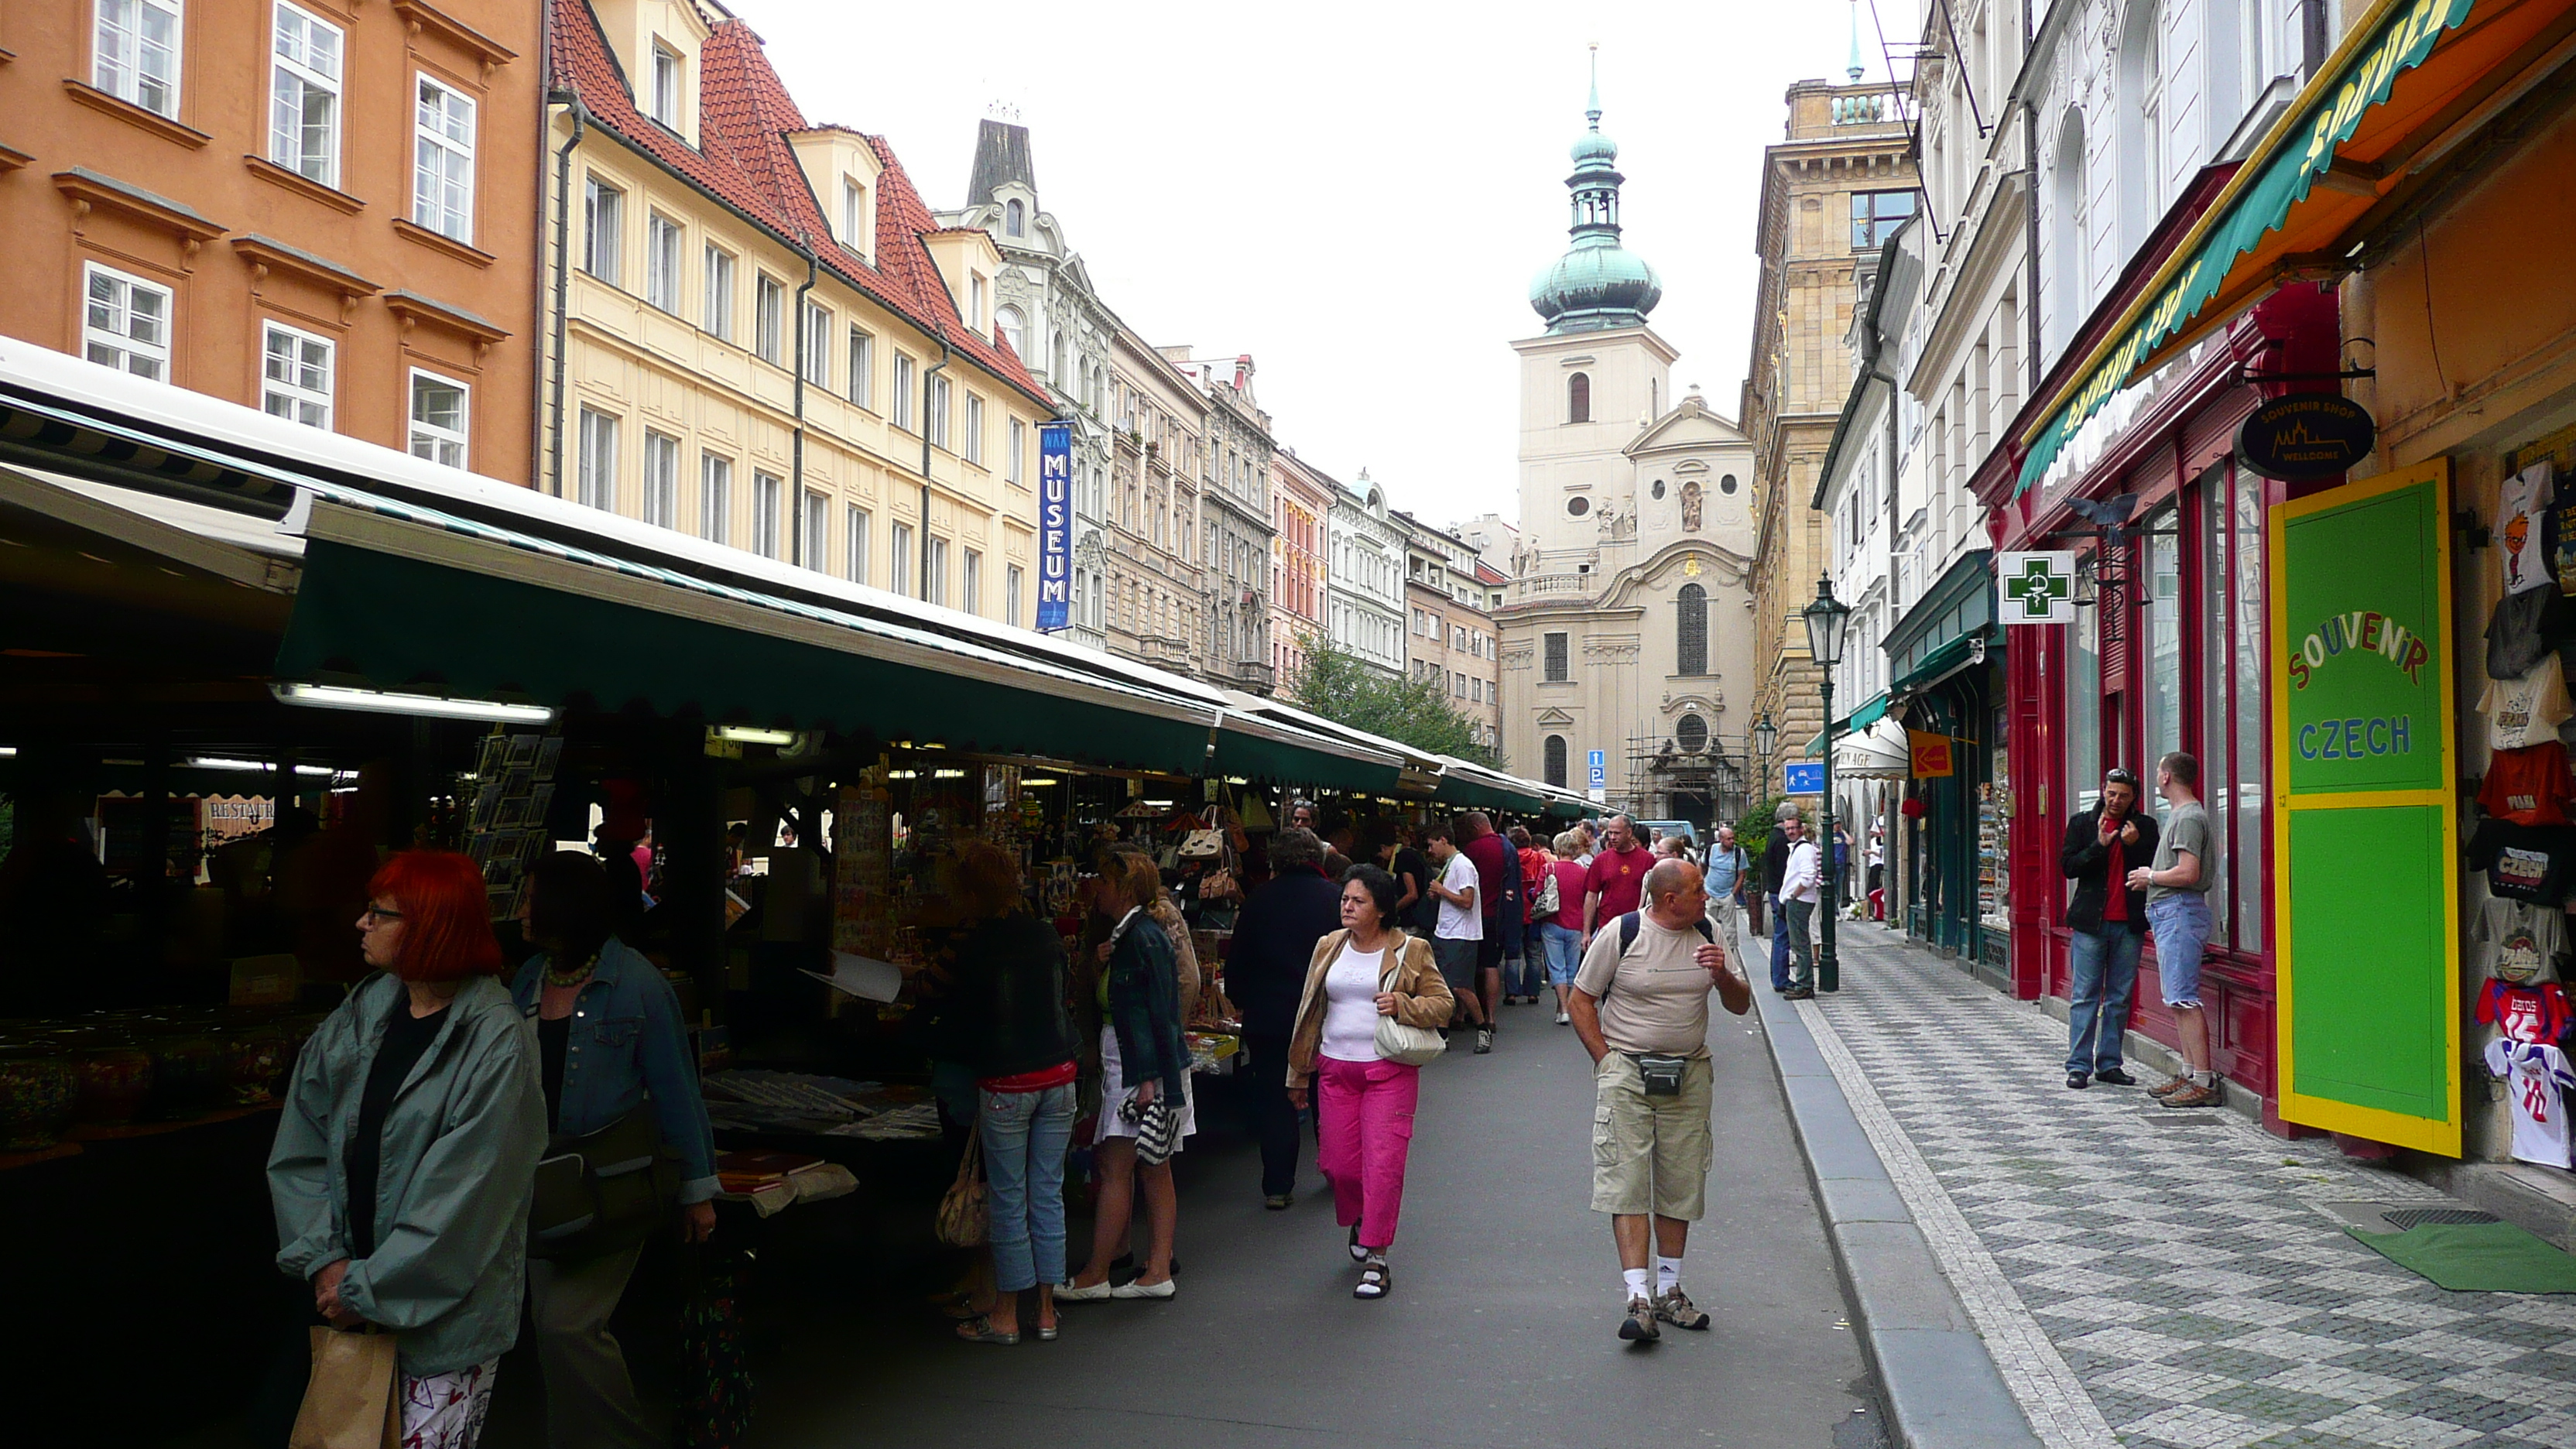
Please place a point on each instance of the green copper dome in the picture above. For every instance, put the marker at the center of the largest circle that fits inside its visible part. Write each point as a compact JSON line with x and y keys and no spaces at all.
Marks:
{"x":1598,"y":283}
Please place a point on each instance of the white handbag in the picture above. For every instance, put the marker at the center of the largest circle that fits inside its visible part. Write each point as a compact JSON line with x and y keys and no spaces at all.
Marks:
{"x":1412,"y":1046}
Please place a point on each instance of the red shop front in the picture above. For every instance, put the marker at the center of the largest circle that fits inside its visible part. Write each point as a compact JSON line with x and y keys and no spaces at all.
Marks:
{"x":2167,"y":652}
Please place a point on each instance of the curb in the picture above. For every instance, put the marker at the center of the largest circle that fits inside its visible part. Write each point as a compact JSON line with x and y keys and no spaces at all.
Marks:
{"x":1941,"y":1386}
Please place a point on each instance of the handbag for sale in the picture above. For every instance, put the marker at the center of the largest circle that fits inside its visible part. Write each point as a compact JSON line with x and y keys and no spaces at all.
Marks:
{"x":966,"y":1209}
{"x":1202,"y":845}
{"x":1256,"y":815}
{"x":354,"y":1398}
{"x":1412,"y":1046}
{"x":1218,"y":885}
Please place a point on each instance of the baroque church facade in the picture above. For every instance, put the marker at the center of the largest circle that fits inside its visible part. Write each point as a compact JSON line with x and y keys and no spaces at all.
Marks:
{"x":1627,"y":626}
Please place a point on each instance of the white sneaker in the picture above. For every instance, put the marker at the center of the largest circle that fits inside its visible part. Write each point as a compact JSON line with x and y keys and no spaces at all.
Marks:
{"x":1563,"y":1020}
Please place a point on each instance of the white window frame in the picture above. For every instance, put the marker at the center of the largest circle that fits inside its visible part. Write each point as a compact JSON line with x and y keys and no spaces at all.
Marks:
{"x":715,"y":496}
{"x":940,"y":392}
{"x":664,"y":238}
{"x":670,"y":85}
{"x":904,"y":368}
{"x":128,"y":64}
{"x":853,"y":198}
{"x":863,"y":368}
{"x":769,"y":319}
{"x":308,"y":404}
{"x":434,"y":441}
{"x":1015,"y":452}
{"x":116,"y":337}
{"x":456,"y":158}
{"x":814,"y":530}
{"x":854,"y":543}
{"x":719,"y":265}
{"x":595,"y":481}
{"x":1014,"y":583}
{"x":294,"y":29}
{"x":971,"y":583}
{"x":768,"y":499}
{"x":661,"y":479}
{"x":974,"y":428}
{"x":935,"y":570}
{"x":975,"y":303}
{"x":817,"y":344}
{"x":899,"y":558}
{"x":603,"y":230}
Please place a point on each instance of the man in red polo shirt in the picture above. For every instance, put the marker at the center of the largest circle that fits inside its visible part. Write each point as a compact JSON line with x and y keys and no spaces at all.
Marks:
{"x":1498,"y":895}
{"x":1612,"y":887}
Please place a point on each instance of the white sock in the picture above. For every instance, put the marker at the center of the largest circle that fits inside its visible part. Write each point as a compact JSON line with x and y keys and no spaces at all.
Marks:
{"x":2205,"y":1079}
{"x":1636,"y":1279}
{"x":1668,"y":1273}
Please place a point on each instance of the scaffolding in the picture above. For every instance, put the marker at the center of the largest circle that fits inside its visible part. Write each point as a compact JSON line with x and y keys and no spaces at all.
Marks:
{"x":1666,"y":782}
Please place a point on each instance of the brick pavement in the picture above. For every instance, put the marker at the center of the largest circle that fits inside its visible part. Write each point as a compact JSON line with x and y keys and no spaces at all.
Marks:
{"x":2168,"y":1279}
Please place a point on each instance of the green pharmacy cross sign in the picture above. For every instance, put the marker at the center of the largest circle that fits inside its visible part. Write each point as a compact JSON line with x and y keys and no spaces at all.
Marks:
{"x":2038,"y":588}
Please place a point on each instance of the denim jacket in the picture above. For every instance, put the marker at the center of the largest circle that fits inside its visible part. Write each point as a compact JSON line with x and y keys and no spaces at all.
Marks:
{"x":1145,"y":1005}
{"x":627,"y":1044}
{"x":460,"y":1158}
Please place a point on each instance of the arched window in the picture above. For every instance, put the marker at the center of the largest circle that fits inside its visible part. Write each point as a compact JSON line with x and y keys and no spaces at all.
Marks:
{"x":1578,"y":398}
{"x":1556,"y":761}
{"x":1691,"y":733}
{"x":2067,"y":225}
{"x":1007,"y":321}
{"x":1015,"y":219}
{"x":1690,"y":630}
{"x":2141,"y":122}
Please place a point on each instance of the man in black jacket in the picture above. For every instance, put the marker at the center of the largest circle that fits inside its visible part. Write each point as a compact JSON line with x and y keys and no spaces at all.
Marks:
{"x":2109,"y":925}
{"x":1265,"y":976}
{"x":1775,"y":863}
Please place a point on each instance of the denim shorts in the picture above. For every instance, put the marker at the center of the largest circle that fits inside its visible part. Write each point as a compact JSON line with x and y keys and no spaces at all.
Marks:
{"x":2181,"y":925}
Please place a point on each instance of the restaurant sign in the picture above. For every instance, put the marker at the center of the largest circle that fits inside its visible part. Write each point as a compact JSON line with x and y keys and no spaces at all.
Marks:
{"x":2306,"y":435}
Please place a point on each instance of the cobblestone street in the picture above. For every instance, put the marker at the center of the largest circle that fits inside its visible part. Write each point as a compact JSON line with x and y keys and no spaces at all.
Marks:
{"x":2162,"y":1278}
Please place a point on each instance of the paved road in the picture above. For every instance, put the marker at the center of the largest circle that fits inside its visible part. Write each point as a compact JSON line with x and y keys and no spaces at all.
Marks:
{"x":1501,"y":1330}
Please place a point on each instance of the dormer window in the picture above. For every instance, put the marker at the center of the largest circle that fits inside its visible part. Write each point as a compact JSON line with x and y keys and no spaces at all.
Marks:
{"x":1015,"y":218}
{"x":854,"y":201}
{"x":667,"y":85}
{"x":975,"y":302}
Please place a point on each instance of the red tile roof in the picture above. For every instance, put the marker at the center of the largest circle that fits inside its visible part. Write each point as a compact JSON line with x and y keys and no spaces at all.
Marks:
{"x":743,"y":158}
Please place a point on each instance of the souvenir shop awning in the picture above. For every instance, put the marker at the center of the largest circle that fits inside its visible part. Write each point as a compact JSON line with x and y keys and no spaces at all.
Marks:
{"x":2409,"y":76}
{"x":1860,"y":719}
{"x":1253,"y":748}
{"x":1478,"y":788}
{"x":1879,"y":752}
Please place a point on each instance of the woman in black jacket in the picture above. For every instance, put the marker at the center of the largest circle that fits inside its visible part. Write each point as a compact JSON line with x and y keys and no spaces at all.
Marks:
{"x":1265,"y":974}
{"x":1143,"y":1060}
{"x":1010,"y":1014}
{"x":2107,"y":925}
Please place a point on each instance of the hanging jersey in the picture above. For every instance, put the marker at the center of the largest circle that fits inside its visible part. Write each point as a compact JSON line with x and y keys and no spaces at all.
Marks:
{"x":2529,"y":786}
{"x":2525,"y":1013}
{"x":2537,"y":1079}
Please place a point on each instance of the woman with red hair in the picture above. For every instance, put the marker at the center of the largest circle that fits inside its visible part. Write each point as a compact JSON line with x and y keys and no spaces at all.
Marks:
{"x":407,"y":1151}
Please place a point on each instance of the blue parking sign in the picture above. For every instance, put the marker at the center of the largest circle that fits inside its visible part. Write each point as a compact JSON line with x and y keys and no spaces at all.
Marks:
{"x":1600,"y":765}
{"x":1802,"y":777}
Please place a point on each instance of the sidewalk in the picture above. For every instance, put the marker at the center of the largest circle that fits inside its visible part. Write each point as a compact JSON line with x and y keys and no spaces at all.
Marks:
{"x":2167,"y":1278}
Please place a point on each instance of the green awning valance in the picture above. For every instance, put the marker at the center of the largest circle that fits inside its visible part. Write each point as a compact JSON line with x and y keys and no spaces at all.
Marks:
{"x":1270,"y":753}
{"x":1935,"y":664}
{"x":1871,"y":712}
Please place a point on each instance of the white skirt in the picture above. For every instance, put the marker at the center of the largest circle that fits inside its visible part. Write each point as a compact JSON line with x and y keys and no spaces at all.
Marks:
{"x":1113,"y":1090}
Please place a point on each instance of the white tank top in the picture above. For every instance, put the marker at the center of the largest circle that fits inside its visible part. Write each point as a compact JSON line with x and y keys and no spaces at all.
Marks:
{"x":1350,"y":1005}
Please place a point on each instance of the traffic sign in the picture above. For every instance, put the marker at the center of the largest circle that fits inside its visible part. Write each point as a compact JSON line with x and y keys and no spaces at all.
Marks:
{"x":1600,"y":764}
{"x":1802,"y":777}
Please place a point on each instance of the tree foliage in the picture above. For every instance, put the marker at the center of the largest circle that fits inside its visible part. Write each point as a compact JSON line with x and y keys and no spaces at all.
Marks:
{"x":1342,"y":687}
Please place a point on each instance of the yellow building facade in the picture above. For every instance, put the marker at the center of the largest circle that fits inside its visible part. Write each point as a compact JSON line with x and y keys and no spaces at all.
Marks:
{"x":760,"y":337}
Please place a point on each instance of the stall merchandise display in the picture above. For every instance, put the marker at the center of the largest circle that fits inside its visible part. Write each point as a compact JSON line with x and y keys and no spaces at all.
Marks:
{"x":505,"y":829}
{"x":102,"y":1073}
{"x":800,"y":1103}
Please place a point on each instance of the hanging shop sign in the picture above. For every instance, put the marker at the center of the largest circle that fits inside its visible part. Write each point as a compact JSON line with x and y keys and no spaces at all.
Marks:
{"x":2306,"y":435}
{"x":1931,"y":755}
{"x":2365,"y":902}
{"x":1055,"y":526}
{"x":2037,"y":588}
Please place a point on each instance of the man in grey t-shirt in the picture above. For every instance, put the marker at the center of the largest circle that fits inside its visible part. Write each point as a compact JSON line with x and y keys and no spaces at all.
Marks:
{"x":2177,"y":887}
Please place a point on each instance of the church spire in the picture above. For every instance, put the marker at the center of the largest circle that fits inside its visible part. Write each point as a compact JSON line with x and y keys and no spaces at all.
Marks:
{"x":1854,"y":69}
{"x":1592,"y":112}
{"x":1596,"y":283}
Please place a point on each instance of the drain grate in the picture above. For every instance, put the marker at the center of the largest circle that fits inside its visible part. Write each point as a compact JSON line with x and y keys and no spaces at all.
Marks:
{"x":2164,"y":1117}
{"x":2415,"y":1217}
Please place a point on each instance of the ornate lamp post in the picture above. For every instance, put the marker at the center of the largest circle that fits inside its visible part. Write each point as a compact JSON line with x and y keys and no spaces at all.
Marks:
{"x":1765,"y":735}
{"x":1828,"y":620}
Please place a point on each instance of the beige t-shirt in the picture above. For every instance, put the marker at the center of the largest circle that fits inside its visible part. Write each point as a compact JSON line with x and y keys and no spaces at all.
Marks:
{"x":1655,"y":999}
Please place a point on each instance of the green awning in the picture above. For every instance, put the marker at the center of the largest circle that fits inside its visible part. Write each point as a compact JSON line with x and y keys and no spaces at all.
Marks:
{"x":1935,"y":664}
{"x":1261,"y":750}
{"x":1862,"y":718}
{"x":2274,"y":213}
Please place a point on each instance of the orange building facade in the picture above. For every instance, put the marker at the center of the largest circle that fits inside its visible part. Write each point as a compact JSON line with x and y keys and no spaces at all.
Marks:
{"x":323,"y":208}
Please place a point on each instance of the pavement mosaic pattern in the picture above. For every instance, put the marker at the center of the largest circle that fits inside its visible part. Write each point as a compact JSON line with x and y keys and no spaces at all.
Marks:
{"x":2169,"y":1279}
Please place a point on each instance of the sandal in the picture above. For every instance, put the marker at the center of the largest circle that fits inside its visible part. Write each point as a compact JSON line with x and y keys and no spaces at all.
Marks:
{"x":979,"y":1329}
{"x":962,"y":1310}
{"x":1046,"y":1334}
{"x":1374,"y":1279}
{"x":1358,"y":1253}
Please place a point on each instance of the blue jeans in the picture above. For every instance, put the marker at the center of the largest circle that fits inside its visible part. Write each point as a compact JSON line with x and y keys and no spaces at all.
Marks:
{"x":1025,"y":1136}
{"x":1801,"y":941}
{"x":1779,"y":946}
{"x":2181,"y":924}
{"x":1526,"y":973}
{"x":2103,"y":972}
{"x":1564,"y":952}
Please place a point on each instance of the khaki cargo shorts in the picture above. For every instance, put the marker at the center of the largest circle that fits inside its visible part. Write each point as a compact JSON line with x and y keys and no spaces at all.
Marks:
{"x":1651,"y":1154}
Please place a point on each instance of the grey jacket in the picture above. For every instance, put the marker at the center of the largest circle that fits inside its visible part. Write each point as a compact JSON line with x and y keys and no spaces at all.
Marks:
{"x":460,"y":1151}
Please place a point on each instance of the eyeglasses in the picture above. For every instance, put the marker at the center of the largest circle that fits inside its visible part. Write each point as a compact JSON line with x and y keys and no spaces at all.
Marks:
{"x":375,"y":917}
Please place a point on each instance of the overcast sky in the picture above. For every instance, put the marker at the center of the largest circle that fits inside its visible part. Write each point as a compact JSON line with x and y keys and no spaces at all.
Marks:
{"x":1356,"y":194}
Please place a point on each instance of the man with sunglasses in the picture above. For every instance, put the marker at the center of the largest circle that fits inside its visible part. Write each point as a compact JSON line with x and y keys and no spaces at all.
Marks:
{"x":2108,"y":921}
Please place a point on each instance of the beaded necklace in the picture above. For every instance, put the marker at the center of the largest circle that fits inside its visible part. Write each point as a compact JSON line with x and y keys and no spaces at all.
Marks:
{"x":556,"y":976}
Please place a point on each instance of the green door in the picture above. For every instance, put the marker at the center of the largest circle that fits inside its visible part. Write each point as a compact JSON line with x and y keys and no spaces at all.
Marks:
{"x":2364,"y":817}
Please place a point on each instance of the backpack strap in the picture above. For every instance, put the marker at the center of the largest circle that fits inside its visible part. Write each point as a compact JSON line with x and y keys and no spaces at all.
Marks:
{"x":1628,"y":925}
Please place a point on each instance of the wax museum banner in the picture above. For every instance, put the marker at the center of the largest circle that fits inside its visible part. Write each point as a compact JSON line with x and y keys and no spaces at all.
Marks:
{"x":2365,"y":895}
{"x":1055,"y":526}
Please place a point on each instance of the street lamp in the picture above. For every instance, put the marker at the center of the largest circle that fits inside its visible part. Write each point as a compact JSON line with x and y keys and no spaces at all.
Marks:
{"x":1765,"y":735}
{"x":1828,"y":620}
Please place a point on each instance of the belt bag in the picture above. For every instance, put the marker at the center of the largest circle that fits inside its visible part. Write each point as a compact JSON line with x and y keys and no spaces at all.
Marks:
{"x":1661,"y":1074}
{"x":603,"y":1191}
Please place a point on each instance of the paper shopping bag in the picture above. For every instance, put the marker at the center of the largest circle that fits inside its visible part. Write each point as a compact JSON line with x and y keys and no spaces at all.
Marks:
{"x":354,"y":1399}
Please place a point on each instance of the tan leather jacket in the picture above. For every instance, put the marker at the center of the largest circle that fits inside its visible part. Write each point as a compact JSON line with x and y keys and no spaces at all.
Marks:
{"x":1421,"y":997}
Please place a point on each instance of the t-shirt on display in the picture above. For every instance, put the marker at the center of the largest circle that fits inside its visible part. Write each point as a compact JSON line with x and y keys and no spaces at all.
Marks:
{"x":2525,"y":711}
{"x":1654,"y":998}
{"x":2537,"y":1079}
{"x":2524,"y":1013}
{"x":2522,"y":518}
{"x":2524,"y":862}
{"x":2518,"y":942}
{"x":2528,"y":787}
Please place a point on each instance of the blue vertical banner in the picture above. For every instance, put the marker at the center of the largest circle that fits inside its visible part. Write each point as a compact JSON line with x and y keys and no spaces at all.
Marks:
{"x":1055,"y":526}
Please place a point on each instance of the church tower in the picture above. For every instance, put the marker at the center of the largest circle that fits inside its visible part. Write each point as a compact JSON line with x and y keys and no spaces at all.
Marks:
{"x":1624,"y":630}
